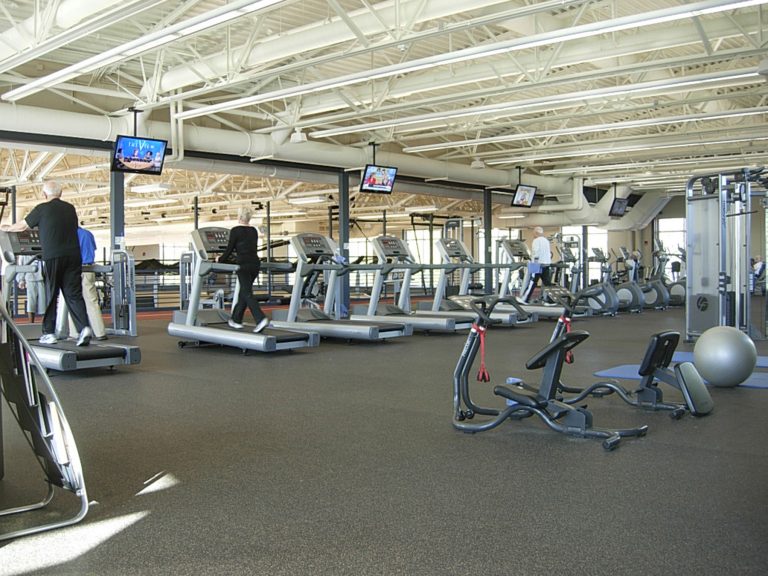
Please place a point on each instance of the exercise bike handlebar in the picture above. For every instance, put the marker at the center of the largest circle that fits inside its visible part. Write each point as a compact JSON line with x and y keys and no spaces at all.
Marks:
{"x":483,"y":307}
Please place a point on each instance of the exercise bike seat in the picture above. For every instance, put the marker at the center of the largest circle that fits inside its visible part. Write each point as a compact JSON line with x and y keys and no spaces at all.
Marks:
{"x":520,"y":398}
{"x":565,"y":342}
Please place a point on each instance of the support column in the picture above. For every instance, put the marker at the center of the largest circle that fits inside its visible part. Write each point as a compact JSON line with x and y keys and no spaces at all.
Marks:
{"x":488,"y":241}
{"x":344,"y":299}
{"x":117,"y":210}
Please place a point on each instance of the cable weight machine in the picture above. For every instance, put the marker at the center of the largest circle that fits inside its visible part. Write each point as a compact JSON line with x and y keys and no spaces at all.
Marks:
{"x":718,"y":211}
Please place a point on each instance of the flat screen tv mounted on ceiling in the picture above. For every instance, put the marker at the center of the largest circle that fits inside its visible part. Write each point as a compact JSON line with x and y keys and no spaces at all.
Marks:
{"x":524,"y":195}
{"x":618,"y":207}
{"x":378,"y":179}
{"x":138,"y":155}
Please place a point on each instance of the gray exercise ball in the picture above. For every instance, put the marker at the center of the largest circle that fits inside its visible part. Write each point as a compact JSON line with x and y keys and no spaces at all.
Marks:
{"x":724,"y":356}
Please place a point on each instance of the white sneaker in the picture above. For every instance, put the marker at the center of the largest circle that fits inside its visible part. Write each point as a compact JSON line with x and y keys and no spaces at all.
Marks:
{"x":85,"y":336}
{"x":261,"y":325}
{"x":48,"y":339}
{"x":234,"y":324}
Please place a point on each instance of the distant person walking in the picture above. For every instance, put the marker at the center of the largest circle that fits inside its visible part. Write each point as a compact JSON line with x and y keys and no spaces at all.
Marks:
{"x":243,"y":241}
{"x":541,"y":258}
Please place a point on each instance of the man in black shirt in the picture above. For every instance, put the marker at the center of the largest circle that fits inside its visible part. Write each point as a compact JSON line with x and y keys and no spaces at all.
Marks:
{"x":57,"y":223}
{"x":243,"y":240}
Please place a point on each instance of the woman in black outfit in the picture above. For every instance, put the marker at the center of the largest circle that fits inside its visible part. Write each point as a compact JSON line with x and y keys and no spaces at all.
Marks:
{"x":243,"y":241}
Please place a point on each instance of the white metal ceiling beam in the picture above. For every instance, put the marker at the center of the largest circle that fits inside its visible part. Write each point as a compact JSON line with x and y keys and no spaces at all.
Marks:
{"x":162,"y":37}
{"x":576,"y":53}
{"x":728,"y":77}
{"x":473,"y":53}
{"x":126,"y":9}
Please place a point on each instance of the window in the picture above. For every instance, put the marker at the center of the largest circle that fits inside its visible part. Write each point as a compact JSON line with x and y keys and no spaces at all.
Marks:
{"x":671,"y":234}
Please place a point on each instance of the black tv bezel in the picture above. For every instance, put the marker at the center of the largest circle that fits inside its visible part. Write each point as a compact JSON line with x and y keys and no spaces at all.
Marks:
{"x":534,"y":190}
{"x":363,"y":187}
{"x":115,"y":167}
{"x":614,"y":211}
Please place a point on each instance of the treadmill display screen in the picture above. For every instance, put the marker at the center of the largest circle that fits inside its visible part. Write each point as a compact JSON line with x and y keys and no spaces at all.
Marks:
{"x":391,"y":246}
{"x":216,"y":240}
{"x":316,"y":246}
{"x":453,"y":248}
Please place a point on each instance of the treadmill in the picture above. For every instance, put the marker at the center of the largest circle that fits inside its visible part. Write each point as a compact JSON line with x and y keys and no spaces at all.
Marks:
{"x":65,"y":355}
{"x":393,"y":255}
{"x":455,"y":256}
{"x":197,"y":326}
{"x":317,"y":255}
{"x":516,"y":255}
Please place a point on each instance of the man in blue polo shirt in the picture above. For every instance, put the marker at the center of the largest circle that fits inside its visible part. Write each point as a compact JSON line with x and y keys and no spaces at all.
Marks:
{"x":90,"y":295}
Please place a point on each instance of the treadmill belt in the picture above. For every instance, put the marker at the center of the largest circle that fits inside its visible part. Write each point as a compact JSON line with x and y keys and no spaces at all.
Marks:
{"x":92,"y":352}
{"x":382,"y":326}
{"x":279,"y":335}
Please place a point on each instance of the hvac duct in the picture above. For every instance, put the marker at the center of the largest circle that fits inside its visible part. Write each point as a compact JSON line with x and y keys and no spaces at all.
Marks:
{"x":27,"y":119}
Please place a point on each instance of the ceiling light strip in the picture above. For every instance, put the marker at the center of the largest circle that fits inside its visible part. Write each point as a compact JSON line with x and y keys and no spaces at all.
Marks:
{"x":621,"y":150}
{"x":212,"y":18}
{"x":474,"y":52}
{"x":626,"y":125}
{"x":124,"y":10}
{"x":726,"y":76}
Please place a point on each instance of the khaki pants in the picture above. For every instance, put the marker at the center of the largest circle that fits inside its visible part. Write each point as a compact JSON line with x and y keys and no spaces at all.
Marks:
{"x":92,"y":308}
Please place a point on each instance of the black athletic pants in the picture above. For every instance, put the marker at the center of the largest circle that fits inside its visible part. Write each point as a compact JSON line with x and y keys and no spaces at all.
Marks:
{"x":246,"y":274}
{"x":65,"y":274}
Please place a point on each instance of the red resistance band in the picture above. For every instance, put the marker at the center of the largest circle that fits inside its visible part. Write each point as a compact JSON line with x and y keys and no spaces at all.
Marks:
{"x":482,"y":373}
{"x":569,"y":358}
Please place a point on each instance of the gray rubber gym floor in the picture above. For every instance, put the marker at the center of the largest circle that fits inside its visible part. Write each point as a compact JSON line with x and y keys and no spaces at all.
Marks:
{"x":342,"y":460}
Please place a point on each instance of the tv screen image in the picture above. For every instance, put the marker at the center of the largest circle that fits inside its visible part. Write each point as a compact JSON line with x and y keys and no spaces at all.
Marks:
{"x":618,"y":207}
{"x":379,"y":179}
{"x":524,"y":195}
{"x":139,"y":155}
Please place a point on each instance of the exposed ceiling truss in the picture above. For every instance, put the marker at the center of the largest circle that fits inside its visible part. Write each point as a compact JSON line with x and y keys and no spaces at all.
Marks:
{"x":643,"y":93}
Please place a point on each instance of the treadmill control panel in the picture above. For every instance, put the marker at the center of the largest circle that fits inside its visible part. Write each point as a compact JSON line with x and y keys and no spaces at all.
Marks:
{"x":313,"y":245}
{"x":210,"y":240}
{"x":391,"y":247}
{"x":453,"y":248}
{"x":25,"y":243}
{"x":517,"y":249}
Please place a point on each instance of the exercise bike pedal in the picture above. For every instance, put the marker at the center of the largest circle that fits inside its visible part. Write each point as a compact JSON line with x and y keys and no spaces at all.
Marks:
{"x":610,"y":444}
{"x":677,"y":413}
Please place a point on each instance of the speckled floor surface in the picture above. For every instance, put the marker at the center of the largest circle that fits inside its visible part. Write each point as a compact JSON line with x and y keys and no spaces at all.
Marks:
{"x":341,"y":460}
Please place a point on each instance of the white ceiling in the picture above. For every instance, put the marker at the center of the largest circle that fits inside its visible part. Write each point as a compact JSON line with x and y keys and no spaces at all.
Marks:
{"x":643,"y":93}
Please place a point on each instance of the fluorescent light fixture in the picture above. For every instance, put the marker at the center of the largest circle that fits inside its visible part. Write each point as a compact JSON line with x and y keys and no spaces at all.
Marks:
{"x":307,"y":200}
{"x":148,"y":202}
{"x":511,"y":216}
{"x":421,"y":209}
{"x":115,"y":14}
{"x":286,"y":213}
{"x":650,"y":145}
{"x":148,"y":42}
{"x":626,"y":125}
{"x":475,"y":52}
{"x":146,"y":188}
{"x":745,"y":74}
